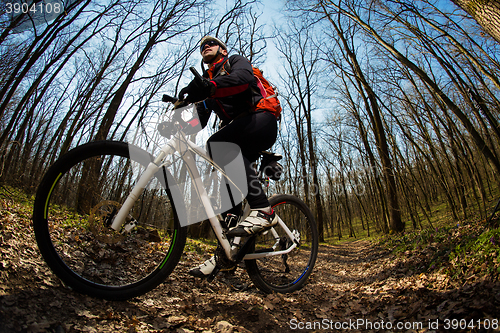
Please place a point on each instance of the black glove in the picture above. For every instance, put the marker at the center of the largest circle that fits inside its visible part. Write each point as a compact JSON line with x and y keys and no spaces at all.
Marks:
{"x":197,"y":91}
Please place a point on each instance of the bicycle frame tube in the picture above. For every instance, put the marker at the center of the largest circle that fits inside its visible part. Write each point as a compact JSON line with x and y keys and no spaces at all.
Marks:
{"x":141,"y":184}
{"x":182,"y":147}
{"x":276,"y":236}
{"x":180,"y":144}
{"x":134,"y":195}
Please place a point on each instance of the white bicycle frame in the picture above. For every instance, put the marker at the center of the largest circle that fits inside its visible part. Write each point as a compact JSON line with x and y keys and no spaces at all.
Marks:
{"x":181,"y":144}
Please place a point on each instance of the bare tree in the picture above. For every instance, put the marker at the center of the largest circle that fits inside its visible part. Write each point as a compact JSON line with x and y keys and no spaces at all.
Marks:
{"x":302,"y":59}
{"x":165,"y":23}
{"x":395,"y":221}
{"x":479,"y":141}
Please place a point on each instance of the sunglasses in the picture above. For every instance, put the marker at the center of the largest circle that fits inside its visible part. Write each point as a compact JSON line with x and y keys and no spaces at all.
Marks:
{"x":209,"y":43}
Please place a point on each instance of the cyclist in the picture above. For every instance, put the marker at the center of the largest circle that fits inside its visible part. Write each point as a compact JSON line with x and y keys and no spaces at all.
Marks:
{"x":232,"y":93}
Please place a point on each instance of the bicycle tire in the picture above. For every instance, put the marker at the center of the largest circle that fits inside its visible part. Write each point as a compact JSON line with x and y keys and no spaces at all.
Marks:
{"x":73,"y":207}
{"x":289,"y":272}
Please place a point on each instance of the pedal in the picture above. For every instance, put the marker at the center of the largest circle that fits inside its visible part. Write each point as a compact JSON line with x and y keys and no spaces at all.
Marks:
{"x":214,"y":273}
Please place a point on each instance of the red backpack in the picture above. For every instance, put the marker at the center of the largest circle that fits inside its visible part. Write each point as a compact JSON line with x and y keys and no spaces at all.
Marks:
{"x":270,"y":101}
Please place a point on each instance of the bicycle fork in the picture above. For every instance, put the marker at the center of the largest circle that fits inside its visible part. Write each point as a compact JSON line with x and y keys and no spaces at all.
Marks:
{"x":147,"y":175}
{"x":136,"y":192}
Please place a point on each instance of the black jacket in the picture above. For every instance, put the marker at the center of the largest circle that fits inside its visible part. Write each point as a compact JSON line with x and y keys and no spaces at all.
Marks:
{"x":236,"y":90}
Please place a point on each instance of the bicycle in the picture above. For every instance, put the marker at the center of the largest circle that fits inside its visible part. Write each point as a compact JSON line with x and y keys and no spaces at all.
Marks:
{"x":107,"y":220}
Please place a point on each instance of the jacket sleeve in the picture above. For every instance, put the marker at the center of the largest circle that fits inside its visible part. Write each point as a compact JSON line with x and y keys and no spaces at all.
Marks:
{"x":237,"y":81}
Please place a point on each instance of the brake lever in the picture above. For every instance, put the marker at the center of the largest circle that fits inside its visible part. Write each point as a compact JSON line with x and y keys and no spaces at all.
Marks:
{"x":175,"y":101}
{"x":180,"y":104}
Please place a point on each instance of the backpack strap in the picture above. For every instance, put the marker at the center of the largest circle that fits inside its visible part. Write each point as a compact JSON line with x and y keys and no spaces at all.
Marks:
{"x":227,"y":66}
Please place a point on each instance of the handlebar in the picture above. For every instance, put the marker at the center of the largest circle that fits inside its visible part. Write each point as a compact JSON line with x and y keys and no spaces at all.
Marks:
{"x":169,"y":99}
{"x":167,"y":128}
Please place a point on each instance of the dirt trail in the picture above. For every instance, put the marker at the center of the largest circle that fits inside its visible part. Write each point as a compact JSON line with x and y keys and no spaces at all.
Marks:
{"x":356,"y":286}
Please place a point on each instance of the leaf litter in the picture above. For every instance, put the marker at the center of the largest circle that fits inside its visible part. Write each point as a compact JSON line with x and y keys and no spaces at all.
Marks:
{"x":351,"y":281}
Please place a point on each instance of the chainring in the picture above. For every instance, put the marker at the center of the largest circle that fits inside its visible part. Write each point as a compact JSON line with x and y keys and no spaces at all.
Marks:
{"x":221,"y":259}
{"x":100,"y":220}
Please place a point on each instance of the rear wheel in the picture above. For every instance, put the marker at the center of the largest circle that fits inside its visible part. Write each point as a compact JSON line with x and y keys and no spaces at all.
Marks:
{"x":74,"y":207}
{"x":287,"y":272}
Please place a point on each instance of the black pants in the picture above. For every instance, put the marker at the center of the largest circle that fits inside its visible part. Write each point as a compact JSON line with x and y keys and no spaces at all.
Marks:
{"x":252,"y":133}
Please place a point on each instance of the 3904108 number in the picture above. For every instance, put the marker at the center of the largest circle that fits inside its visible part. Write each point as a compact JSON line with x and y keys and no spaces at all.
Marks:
{"x":455,"y":324}
{"x":48,"y":7}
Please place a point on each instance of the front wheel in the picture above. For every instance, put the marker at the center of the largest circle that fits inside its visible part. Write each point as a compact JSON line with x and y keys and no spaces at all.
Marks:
{"x":286,"y":272}
{"x":75,"y":205}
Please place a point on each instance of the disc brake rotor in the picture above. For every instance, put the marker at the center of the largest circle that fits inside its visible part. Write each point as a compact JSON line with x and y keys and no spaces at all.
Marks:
{"x":100,"y":221}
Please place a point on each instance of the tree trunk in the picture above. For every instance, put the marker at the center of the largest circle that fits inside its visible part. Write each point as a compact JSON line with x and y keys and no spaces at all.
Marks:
{"x":395,"y":222}
{"x":469,"y":126}
{"x":485,"y":12}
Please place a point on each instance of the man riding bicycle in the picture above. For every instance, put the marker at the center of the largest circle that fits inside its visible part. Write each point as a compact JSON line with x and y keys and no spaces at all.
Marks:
{"x":232,"y":93}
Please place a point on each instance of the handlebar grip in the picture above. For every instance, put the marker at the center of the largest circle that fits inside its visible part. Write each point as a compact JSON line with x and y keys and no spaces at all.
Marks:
{"x":168,"y":99}
{"x":198,"y":77}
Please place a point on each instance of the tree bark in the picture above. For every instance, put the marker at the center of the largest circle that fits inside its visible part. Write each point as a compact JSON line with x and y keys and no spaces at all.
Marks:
{"x":485,"y":12}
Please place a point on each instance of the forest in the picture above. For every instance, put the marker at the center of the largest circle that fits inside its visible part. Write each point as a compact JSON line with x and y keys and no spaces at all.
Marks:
{"x":389,"y":106}
{"x":390,"y":119}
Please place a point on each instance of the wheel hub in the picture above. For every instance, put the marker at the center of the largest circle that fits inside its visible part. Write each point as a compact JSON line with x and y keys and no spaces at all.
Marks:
{"x":100,"y":220}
